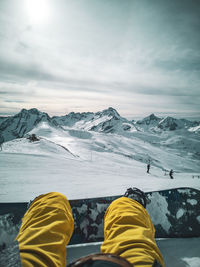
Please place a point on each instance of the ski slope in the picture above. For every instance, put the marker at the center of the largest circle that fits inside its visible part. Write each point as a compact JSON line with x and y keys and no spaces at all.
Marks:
{"x":81,"y":164}
{"x":84,"y":164}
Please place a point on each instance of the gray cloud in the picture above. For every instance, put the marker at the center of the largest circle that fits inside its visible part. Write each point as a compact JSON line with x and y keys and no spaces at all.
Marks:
{"x":16,"y":71}
{"x":3,"y":92}
{"x":14,"y":101}
{"x":185,"y":64}
{"x":100,"y":53}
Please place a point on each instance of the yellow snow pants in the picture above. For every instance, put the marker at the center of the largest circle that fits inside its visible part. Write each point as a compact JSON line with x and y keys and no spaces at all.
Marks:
{"x":48,"y":225}
{"x":46,"y":229}
{"x":129,"y":233}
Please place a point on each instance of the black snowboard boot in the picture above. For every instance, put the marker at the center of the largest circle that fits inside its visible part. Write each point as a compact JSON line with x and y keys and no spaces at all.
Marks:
{"x":137,"y":195}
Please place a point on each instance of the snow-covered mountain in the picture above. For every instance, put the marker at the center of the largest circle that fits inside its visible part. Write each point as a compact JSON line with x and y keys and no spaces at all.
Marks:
{"x":72,"y":118}
{"x":17,"y":126}
{"x":106,"y":121}
{"x":172,"y":124}
{"x":151,"y":139}
{"x":136,"y":140}
{"x":148,"y":123}
{"x":150,"y":120}
{"x":156,"y":124}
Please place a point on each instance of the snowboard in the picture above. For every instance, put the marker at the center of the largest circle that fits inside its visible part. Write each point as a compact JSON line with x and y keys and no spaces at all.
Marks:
{"x":174,"y":213}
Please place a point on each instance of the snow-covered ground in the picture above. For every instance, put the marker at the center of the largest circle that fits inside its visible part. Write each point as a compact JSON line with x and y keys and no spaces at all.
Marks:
{"x":87,"y":164}
{"x":81,"y":163}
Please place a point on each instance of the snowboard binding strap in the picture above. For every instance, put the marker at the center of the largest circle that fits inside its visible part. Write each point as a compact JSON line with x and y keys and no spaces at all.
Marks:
{"x":136,"y":194}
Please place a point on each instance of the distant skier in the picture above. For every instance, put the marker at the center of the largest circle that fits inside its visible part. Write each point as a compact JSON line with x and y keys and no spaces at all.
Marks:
{"x":171,"y":174}
{"x":148,"y":167}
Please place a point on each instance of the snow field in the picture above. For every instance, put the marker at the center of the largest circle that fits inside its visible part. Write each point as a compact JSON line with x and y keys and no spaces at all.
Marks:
{"x":82,"y":164}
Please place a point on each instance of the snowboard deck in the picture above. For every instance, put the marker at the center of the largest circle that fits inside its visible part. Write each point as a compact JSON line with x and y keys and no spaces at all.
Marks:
{"x":174,"y":213}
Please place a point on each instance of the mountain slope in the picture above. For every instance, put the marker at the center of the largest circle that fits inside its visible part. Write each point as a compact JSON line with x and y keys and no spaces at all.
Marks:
{"x":172,"y":124}
{"x":40,"y":148}
{"x":20,"y":124}
{"x":107,"y":121}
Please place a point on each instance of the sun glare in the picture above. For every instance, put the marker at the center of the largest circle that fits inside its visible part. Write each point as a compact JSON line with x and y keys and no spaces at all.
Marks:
{"x":37,"y":11}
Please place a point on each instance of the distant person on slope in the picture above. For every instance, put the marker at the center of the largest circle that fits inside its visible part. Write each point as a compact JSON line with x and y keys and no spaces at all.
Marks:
{"x":148,"y":167}
{"x":129,"y":233}
{"x":171,"y":174}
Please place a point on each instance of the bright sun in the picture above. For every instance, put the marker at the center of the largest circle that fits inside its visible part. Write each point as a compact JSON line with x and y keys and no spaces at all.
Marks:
{"x":37,"y":11}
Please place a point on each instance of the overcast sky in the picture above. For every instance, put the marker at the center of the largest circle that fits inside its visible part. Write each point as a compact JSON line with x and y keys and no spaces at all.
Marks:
{"x":138,"y":56}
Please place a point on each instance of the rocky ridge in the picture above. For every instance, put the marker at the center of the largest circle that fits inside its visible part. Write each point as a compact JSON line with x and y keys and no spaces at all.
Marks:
{"x":106,"y":121}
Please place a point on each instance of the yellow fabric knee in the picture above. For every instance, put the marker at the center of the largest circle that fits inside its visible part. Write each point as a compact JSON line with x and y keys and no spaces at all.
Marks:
{"x":46,"y":229}
{"x":129,"y":232}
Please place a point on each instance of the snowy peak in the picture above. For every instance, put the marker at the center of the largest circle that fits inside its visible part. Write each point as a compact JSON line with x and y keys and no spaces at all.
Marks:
{"x":169,"y":123}
{"x":150,"y":120}
{"x":148,"y":123}
{"x":30,"y":111}
{"x":152,"y":117}
{"x":33,"y":116}
{"x":172,"y":124}
{"x":72,"y":118}
{"x":111,"y":112}
{"x":18,"y":125}
{"x":154,"y":124}
{"x":24,"y":113}
{"x":108,"y":121}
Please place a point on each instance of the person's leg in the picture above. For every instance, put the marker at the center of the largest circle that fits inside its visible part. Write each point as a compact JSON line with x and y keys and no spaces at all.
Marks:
{"x":129,"y":233}
{"x":46,"y":229}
